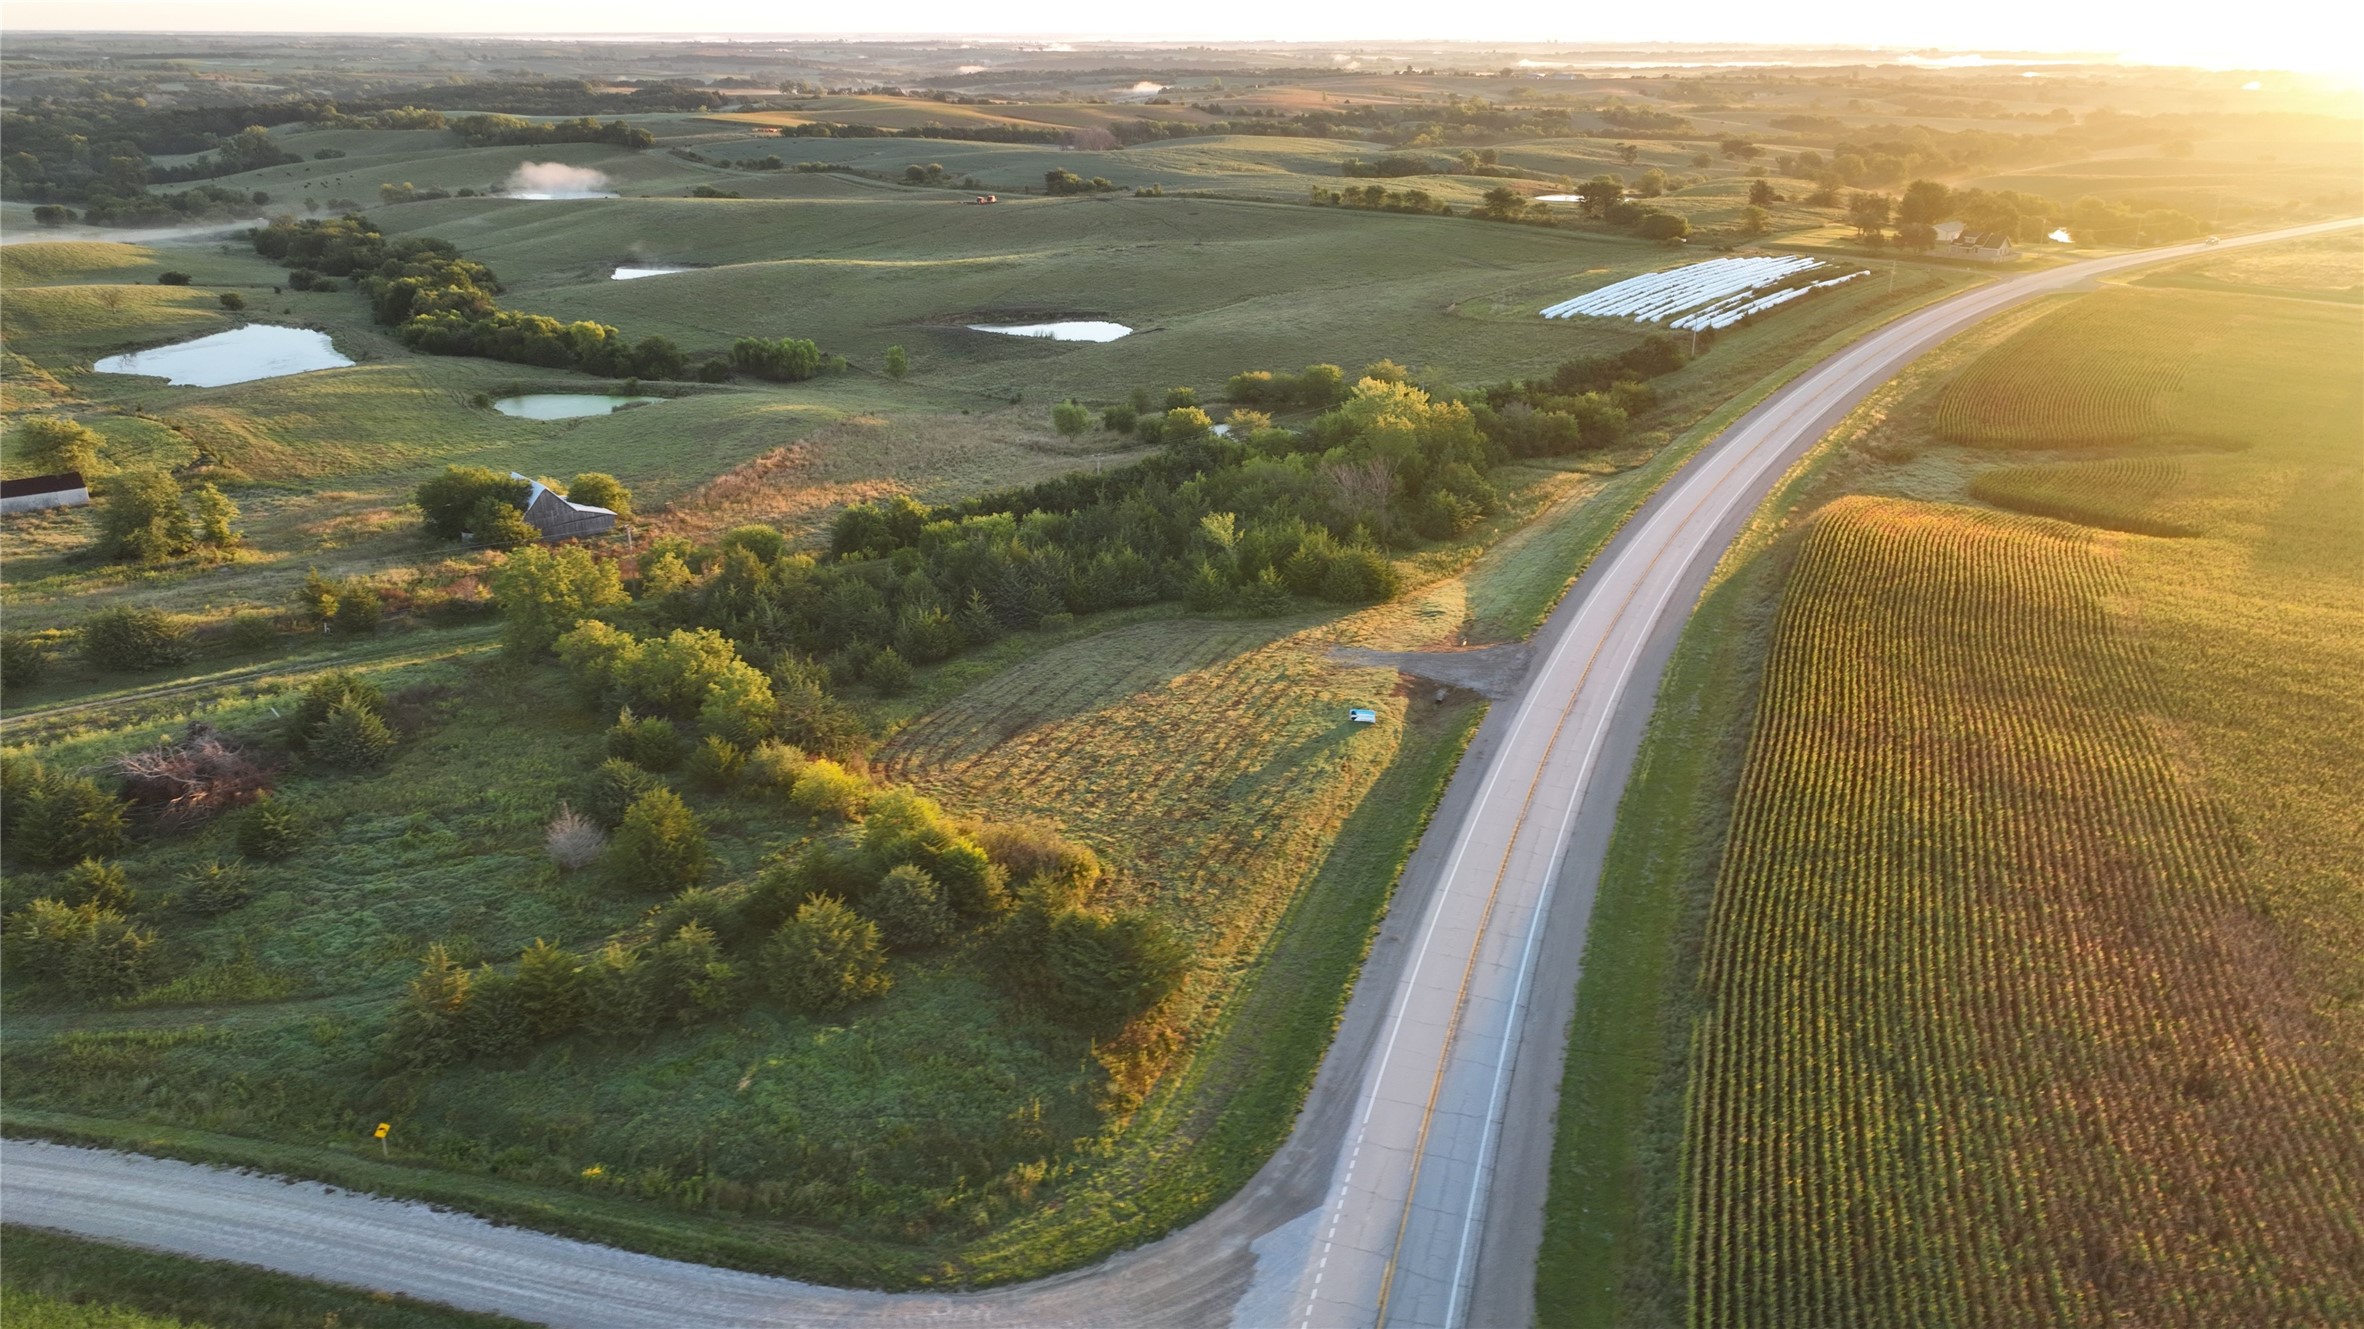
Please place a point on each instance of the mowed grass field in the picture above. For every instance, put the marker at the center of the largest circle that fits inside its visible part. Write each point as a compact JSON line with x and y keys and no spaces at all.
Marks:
{"x":2029,"y":992}
{"x":322,"y":462}
{"x":1210,"y":286}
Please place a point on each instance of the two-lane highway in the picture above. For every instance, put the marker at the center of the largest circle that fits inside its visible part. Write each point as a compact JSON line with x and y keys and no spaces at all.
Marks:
{"x":1410,"y":1192}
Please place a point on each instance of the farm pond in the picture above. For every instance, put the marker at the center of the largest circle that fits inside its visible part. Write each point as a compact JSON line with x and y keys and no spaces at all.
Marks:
{"x":565,"y":405}
{"x":635,"y":271}
{"x":1071,"y":330}
{"x":240,"y":355}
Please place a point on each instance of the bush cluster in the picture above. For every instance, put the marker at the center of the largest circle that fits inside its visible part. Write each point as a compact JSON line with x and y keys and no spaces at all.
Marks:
{"x":91,"y":950}
{"x":813,"y":932}
{"x":50,"y":818}
{"x":341,"y":721}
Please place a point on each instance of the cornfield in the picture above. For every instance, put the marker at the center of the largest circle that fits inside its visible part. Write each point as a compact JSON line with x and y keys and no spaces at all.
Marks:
{"x":1994,"y":1029}
{"x":2123,"y":389}
{"x":2126,"y":494}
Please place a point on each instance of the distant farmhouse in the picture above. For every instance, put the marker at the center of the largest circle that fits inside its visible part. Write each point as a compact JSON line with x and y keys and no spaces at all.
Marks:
{"x":558,"y":518}
{"x":66,"y":489}
{"x":1959,"y":241}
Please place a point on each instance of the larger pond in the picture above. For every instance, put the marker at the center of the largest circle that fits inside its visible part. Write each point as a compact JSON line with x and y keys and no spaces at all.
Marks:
{"x":636,"y":271}
{"x":565,"y":405}
{"x":1071,"y":330}
{"x":240,"y":355}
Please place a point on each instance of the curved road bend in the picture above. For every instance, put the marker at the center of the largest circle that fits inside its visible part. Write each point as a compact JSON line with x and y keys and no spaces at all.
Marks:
{"x":1410,"y":1192}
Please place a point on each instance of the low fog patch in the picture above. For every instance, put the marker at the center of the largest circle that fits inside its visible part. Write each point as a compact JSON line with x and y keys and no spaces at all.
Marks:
{"x":556,"y":180}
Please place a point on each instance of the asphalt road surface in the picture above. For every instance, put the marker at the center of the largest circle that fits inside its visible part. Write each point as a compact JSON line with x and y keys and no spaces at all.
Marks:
{"x":1411,"y":1192}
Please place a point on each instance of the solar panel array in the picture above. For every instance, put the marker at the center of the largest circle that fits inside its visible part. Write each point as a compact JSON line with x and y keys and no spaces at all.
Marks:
{"x":1703,"y":296}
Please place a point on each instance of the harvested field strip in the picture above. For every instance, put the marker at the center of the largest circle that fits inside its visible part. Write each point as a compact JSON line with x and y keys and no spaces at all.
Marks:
{"x":1210,"y":762}
{"x":1995,"y":1030}
{"x":2121,"y":495}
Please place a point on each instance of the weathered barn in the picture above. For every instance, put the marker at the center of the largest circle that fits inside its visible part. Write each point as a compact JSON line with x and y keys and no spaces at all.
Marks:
{"x":66,"y":489}
{"x":559,"y":518}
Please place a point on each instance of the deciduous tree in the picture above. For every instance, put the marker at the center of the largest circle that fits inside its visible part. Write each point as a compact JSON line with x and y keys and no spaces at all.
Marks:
{"x":141,"y":519}
{"x":54,"y":443}
{"x":545,"y":593}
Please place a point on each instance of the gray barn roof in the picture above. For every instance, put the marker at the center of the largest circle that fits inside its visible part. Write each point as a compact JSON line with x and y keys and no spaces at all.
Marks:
{"x":560,"y":518}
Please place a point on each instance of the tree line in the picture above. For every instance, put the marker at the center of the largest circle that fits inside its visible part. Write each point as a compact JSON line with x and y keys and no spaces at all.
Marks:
{"x":479,"y":131}
{"x":1917,"y":211}
{"x":439,"y":303}
{"x":98,"y":151}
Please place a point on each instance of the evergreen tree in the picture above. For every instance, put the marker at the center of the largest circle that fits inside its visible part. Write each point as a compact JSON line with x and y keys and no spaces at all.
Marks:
{"x":269,"y":831}
{"x":95,"y":881}
{"x":909,"y":908}
{"x":216,"y":516}
{"x":424,"y":1031}
{"x":659,"y":845}
{"x":551,"y":991}
{"x":618,"y":1002}
{"x":825,"y":958}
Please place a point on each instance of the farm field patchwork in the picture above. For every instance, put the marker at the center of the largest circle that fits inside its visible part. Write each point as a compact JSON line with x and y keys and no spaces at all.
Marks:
{"x":965,"y":1126}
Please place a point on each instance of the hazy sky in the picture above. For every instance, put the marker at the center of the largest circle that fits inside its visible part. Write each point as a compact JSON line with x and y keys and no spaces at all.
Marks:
{"x":2304,"y":34}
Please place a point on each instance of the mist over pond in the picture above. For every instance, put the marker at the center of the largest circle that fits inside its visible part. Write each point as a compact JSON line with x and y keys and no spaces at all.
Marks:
{"x":550,"y":180}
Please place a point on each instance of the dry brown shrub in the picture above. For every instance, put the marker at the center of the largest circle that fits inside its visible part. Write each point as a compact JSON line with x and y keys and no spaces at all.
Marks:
{"x":574,"y":839}
{"x":202,"y":775}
